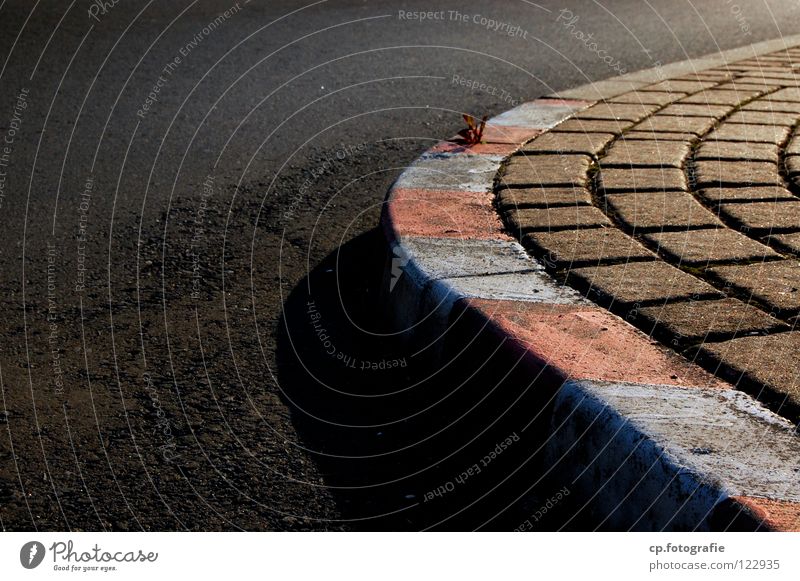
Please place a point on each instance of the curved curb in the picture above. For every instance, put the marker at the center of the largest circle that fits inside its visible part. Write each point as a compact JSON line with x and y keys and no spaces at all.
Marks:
{"x":634,"y":426}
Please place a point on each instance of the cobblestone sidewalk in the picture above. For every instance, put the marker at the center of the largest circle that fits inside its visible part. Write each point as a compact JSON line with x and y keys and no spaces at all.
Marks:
{"x":676,"y":206}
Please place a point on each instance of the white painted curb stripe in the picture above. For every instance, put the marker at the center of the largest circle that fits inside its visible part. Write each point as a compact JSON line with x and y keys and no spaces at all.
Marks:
{"x":671,"y":452}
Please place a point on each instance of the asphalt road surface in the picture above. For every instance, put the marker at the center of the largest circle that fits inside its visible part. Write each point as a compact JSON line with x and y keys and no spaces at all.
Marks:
{"x":191,"y":335}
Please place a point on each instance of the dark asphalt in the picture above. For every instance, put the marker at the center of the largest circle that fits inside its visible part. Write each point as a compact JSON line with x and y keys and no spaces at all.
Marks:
{"x":178,"y":184}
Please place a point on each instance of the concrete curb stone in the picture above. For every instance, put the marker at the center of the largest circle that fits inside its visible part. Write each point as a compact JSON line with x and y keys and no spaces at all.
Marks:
{"x":645,"y":435}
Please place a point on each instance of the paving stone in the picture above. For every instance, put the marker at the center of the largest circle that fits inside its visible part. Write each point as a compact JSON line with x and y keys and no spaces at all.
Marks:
{"x":524,"y":220}
{"x":768,"y":64}
{"x":778,"y":75}
{"x":717,"y":76}
{"x":784,"y":64}
{"x":645,"y":153}
{"x":754,"y":194}
{"x":617,"y":111}
{"x":754,"y":66}
{"x":572,"y":248}
{"x":707,"y":75}
{"x":717,"y":97}
{"x":671,"y":124}
{"x":642,"y":179}
{"x":648,"y":211}
{"x":683,"y":86}
{"x":592,"y":126}
{"x":792,"y":95}
{"x":776,"y":284}
{"x":750,"y":133}
{"x":784,"y":78}
{"x":751,"y":64}
{"x":696,"y":110}
{"x":690,"y":322}
{"x":793,"y":147}
{"x":586,"y":143}
{"x":713,"y":173}
{"x":551,"y":170}
{"x":756,"y":71}
{"x":773,"y":80}
{"x":737,"y":150}
{"x":757,"y":68}
{"x":781,"y":67}
{"x":639,"y":283}
{"x":769,"y":60}
{"x":763,"y":118}
{"x":543,"y":197}
{"x":772,"y":106}
{"x":787,"y":242}
{"x":793,"y":167}
{"x":781,"y":56}
{"x":772,"y":361}
{"x":659,"y":136}
{"x":762,"y":86}
{"x":648,"y":97}
{"x":781,"y":59}
{"x":701,"y":247}
{"x":764,"y":217}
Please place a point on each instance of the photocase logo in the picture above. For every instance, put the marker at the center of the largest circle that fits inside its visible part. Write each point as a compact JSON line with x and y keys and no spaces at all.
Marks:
{"x":399,"y":260}
{"x":32,"y":554}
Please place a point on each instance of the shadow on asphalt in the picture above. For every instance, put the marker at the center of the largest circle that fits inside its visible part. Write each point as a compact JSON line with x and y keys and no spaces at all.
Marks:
{"x":403,"y":445}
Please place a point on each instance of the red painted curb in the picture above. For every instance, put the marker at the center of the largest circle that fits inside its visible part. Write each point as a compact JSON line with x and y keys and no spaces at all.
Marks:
{"x":443,"y":214}
{"x":587,"y":342}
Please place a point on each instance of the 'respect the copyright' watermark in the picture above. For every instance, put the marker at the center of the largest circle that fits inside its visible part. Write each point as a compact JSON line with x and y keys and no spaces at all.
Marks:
{"x":489,"y":24}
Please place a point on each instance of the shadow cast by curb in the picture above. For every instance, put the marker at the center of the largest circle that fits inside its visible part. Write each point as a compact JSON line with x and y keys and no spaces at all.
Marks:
{"x":401,"y":444}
